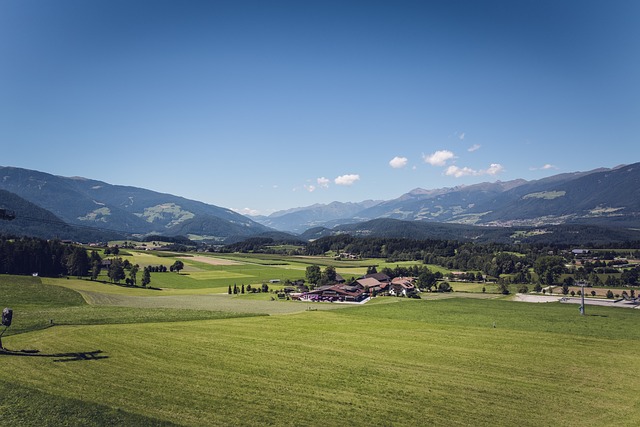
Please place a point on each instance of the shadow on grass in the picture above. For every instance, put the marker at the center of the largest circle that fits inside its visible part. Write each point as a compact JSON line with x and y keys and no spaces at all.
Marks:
{"x":58,"y":357}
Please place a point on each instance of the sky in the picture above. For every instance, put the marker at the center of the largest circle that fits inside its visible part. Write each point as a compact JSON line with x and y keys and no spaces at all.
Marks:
{"x":260,"y":106}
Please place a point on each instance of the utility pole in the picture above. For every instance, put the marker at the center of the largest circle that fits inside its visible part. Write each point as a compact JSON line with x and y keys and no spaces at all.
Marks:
{"x":582,"y":286}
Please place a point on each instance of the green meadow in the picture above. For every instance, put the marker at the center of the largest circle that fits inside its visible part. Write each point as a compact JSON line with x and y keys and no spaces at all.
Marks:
{"x":187,"y":356}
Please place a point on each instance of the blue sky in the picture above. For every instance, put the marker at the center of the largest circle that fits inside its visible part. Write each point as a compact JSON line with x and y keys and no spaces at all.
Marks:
{"x":266,"y":105}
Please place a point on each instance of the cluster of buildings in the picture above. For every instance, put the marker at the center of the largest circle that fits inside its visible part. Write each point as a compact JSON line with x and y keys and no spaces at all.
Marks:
{"x":360,"y":290}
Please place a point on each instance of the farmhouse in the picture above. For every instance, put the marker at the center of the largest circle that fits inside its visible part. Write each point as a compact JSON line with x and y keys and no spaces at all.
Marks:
{"x":372,"y":285}
{"x":338,"y":292}
{"x":381,"y":277}
{"x":402,"y":286}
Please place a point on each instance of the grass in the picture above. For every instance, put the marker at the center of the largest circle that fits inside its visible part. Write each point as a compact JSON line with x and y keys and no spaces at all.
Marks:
{"x":387,"y":364}
{"x":37,"y":305}
{"x":191,"y":355}
{"x":393,"y":361}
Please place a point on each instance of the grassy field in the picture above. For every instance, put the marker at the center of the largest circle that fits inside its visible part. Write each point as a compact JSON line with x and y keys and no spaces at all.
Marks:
{"x":391,"y":362}
{"x":213,"y":273}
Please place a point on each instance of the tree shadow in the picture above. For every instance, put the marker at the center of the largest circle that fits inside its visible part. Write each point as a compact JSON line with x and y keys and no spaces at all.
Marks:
{"x":57,"y":357}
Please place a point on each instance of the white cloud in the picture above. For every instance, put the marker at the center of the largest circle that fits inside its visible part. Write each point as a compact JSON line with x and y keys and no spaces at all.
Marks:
{"x":474,"y":147}
{"x":310,"y":188}
{"x":494,"y":169}
{"x":461,"y":136}
{"x":458,"y":172}
{"x":347,"y":179}
{"x":398,"y":162}
{"x":323,"y":182}
{"x":545,"y":167}
{"x":439,"y":158}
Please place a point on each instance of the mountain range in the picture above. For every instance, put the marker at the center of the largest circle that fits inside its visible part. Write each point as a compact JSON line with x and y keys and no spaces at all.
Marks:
{"x":609,"y":197}
{"x":83,"y":209}
{"x":121,"y":209}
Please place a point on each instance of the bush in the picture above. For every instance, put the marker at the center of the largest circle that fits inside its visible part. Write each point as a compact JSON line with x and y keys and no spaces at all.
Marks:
{"x":609,"y":294}
{"x":444,"y":287}
{"x":523,"y":289}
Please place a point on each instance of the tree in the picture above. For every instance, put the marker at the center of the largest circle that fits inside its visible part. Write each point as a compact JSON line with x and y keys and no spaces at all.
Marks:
{"x":444,"y":287}
{"x":503,"y":287}
{"x":609,"y":294}
{"x":549,"y":268}
{"x":146,"y":276}
{"x":229,"y":292}
{"x":328,"y":275}
{"x":313,"y":275}
{"x":133,"y":273}
{"x":116,"y":270}
{"x":242,"y":289}
{"x":78,"y":262}
{"x":523,"y":289}
{"x":426,"y":279}
{"x":372,"y":269}
{"x":96,"y":266}
{"x":177,"y":266}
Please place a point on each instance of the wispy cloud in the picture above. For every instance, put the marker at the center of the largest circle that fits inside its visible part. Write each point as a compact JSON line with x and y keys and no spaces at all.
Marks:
{"x":310,"y":188}
{"x":398,"y":162}
{"x":323,"y":182}
{"x":348,"y":179}
{"x":439,"y":158}
{"x":474,"y":147}
{"x":458,"y":172}
{"x":461,"y":136}
{"x":547,"y":166}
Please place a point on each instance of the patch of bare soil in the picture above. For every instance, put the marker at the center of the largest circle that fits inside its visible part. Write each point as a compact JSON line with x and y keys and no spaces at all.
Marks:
{"x":211,"y":260}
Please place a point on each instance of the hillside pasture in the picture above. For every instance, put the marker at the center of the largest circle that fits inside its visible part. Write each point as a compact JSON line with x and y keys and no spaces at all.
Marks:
{"x":413,"y":362}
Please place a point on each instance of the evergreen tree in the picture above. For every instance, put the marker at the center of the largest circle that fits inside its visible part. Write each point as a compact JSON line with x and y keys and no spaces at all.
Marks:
{"x":146,"y":276}
{"x":133,"y":273}
{"x":96,"y":266}
{"x":78,"y":262}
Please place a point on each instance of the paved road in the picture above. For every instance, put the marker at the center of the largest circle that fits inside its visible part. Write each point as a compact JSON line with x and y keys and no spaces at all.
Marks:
{"x":573,"y":300}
